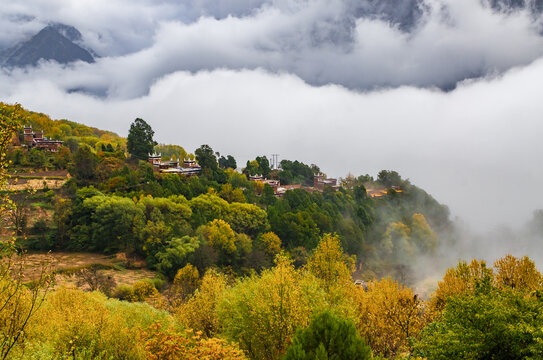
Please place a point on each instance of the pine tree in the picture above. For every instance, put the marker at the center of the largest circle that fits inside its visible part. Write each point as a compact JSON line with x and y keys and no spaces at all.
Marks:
{"x":140,"y":141}
{"x":328,"y":337}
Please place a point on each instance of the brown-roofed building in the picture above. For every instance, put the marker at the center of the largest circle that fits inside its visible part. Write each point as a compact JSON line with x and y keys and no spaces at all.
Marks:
{"x":190,"y":167}
{"x":319,"y":183}
{"x":37,"y":140}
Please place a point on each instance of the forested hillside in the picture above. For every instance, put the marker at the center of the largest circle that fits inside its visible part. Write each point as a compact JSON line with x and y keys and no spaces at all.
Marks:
{"x":243,"y":270}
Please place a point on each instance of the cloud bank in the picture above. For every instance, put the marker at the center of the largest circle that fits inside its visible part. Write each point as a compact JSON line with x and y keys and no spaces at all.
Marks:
{"x":362,"y":45}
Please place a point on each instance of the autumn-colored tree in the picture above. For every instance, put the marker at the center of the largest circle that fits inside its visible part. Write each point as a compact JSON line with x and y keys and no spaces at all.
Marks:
{"x":405,"y":240}
{"x":517,"y":274}
{"x":422,"y":234}
{"x":18,"y":304}
{"x":220,"y":236}
{"x":329,"y":263}
{"x":389,"y":314}
{"x":198,"y":312}
{"x":185,"y":282}
{"x":462,"y":279}
{"x":11,"y":118}
{"x":270,"y":243}
{"x":188,"y":345}
{"x":261,"y":313}
{"x":87,"y":325}
{"x":230,"y":194}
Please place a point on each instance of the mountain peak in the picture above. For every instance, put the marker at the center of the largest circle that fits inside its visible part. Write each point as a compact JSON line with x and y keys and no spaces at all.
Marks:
{"x":53,"y":42}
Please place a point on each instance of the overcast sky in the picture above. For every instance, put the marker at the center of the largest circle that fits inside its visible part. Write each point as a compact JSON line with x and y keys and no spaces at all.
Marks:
{"x":329,"y":82}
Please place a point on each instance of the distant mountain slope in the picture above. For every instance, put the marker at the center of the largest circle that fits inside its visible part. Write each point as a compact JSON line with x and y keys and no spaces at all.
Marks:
{"x":406,"y":13}
{"x":54,"y":42}
{"x":535,"y":6}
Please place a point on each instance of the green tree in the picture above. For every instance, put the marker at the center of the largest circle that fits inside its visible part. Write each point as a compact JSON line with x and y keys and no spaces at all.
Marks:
{"x":263,"y":165}
{"x":206,"y":208}
{"x":495,"y":325}
{"x":63,"y":209}
{"x":268,"y":196}
{"x":328,"y":337}
{"x":251,"y":168}
{"x":37,"y":158}
{"x":389,"y":178}
{"x":85,"y":162}
{"x":175,"y":255}
{"x":227,"y":162}
{"x":140,"y":141}
{"x":247,"y":218}
{"x":206,"y":157}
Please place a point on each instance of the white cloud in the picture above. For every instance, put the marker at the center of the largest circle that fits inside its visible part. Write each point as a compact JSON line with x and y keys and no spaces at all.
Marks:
{"x":322,"y":42}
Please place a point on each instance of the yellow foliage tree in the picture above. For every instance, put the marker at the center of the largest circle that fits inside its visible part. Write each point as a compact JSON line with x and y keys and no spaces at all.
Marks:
{"x":396,"y":239}
{"x":262,"y":312}
{"x":11,"y":118}
{"x":230,"y":194}
{"x":462,"y":279}
{"x":389,"y":314}
{"x":18,"y":304}
{"x":72,"y":323}
{"x":333,"y":268}
{"x":517,"y":274}
{"x":270,"y":243}
{"x":422,"y":234}
{"x":403,"y":240}
{"x":189,"y":345}
{"x":329,"y":263}
{"x":185,"y":282}
{"x":220,"y":236}
{"x":198,"y":312}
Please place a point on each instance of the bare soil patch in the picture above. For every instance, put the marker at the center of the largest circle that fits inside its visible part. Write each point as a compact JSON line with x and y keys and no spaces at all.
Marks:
{"x":65,"y":264}
{"x":42,"y":173}
{"x":34,"y":184}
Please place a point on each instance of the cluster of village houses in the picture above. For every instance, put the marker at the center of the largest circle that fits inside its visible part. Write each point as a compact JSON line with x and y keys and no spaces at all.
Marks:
{"x":319,"y":183}
{"x":190,"y":167}
{"x":36,"y":140}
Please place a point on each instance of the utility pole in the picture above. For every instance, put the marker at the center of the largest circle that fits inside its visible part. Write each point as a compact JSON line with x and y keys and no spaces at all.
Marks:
{"x":275,"y":161}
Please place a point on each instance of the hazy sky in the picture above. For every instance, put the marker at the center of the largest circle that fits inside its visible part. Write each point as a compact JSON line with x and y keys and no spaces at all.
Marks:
{"x":313,"y":80}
